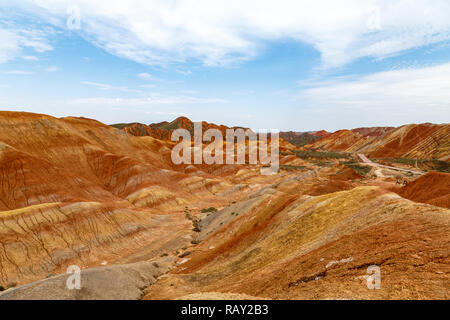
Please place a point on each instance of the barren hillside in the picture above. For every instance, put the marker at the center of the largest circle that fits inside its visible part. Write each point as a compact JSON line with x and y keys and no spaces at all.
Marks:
{"x":74,"y":191}
{"x":421,"y":141}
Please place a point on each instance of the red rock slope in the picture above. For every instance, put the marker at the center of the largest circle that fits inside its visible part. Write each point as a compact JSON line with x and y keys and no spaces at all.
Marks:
{"x":423,"y":141}
{"x":432,"y":188}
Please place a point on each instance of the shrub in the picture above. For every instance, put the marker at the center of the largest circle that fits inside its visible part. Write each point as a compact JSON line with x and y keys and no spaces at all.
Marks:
{"x":196,"y":225}
{"x":184,"y":254}
{"x":210,"y":209}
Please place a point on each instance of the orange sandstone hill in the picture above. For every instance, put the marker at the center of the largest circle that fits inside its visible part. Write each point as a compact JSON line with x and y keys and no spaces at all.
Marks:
{"x":163,"y":130}
{"x":74,"y":191}
{"x":321,"y":133}
{"x":77,"y":191}
{"x":421,"y":141}
{"x":432,"y":188}
{"x":299,"y":138}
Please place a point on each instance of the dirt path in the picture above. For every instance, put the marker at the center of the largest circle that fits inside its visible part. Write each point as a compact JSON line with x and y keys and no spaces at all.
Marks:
{"x":371,"y":163}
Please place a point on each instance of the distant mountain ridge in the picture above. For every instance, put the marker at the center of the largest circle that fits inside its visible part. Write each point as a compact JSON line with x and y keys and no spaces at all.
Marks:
{"x":163,"y":130}
{"x":421,"y":141}
{"x":299,"y":138}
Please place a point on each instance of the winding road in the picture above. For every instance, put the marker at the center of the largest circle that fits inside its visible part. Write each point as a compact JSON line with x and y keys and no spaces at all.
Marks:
{"x":371,"y":163}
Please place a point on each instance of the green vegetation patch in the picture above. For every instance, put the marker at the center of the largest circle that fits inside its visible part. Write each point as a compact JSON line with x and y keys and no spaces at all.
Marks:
{"x":291,"y":167}
{"x":169,"y":125}
{"x":423,"y":164}
{"x":360,"y":169}
{"x":120,"y":125}
{"x":304,"y":139}
{"x":320,"y":163}
{"x":408,"y":161}
{"x":306,"y":154}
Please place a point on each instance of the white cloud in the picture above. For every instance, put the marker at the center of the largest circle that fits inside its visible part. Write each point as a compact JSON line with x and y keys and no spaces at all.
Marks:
{"x":13,"y":40}
{"x":108,"y":87}
{"x":9,"y":45}
{"x":400,"y":95}
{"x":147,"y":86}
{"x":221,"y":32}
{"x":157,"y":100}
{"x":189,"y":91}
{"x":184,"y":72}
{"x":52,"y":69}
{"x":38,"y":44}
{"x":31,"y":58}
{"x":145,"y":76}
{"x":174,"y":114}
{"x":19,"y":72}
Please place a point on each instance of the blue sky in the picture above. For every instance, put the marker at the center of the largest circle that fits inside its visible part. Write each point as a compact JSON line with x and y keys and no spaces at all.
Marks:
{"x":288,"y":65}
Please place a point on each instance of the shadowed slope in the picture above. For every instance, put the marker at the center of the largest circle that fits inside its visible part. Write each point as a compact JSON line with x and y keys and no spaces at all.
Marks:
{"x":432,"y":188}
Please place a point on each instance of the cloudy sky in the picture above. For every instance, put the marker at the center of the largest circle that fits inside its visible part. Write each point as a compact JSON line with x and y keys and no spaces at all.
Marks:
{"x":288,"y":65}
